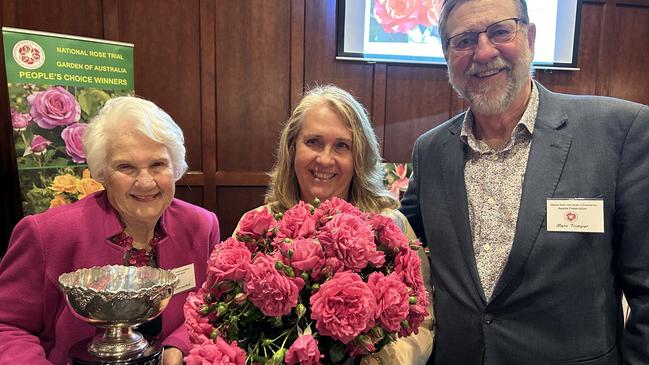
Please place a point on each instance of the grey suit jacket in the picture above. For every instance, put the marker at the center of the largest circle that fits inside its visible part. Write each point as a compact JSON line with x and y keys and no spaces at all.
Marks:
{"x":558,"y":298}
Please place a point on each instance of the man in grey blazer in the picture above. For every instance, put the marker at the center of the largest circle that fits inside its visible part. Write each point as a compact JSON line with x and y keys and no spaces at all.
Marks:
{"x":534,"y":205}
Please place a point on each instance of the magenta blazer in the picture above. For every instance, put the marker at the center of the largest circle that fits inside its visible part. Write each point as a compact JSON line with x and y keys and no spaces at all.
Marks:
{"x":36,"y":327}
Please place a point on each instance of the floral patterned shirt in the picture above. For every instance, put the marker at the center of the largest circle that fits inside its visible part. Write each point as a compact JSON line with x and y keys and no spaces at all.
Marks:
{"x":494,"y":182}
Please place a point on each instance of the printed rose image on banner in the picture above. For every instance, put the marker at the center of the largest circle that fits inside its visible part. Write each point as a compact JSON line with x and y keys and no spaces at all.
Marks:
{"x":56,"y":84}
{"x":48,"y":124}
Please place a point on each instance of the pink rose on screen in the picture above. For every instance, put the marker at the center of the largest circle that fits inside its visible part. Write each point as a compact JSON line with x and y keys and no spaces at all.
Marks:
{"x":219,"y":353}
{"x":19,"y":121}
{"x":297,"y":222}
{"x":349,"y":238}
{"x":73,"y":137}
{"x":39,"y":144}
{"x":344,"y":307}
{"x":273,"y":293}
{"x":429,"y":11}
{"x":392,"y":300}
{"x":54,"y":107}
{"x":304,"y":351}
{"x":388,"y":234}
{"x":197,"y":324}
{"x":306,"y":255}
{"x":256,"y":224}
{"x":396,"y":16}
{"x":230,"y":261}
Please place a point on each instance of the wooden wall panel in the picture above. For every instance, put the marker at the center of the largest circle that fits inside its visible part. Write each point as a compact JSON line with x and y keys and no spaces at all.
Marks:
{"x":320,"y":65}
{"x":234,"y":202}
{"x":417,"y":99}
{"x":252,"y":82}
{"x":629,"y":70}
{"x":167,"y":61}
{"x":58,"y":16}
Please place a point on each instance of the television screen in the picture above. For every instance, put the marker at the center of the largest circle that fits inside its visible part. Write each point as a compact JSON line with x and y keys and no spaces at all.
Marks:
{"x":369,"y":32}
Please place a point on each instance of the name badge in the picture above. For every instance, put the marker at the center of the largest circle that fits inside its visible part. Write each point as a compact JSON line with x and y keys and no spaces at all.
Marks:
{"x":575,"y":215}
{"x":186,"y":278}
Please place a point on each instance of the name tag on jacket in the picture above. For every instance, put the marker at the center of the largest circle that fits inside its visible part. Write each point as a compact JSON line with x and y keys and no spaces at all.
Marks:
{"x":186,"y":278}
{"x":575,"y":215}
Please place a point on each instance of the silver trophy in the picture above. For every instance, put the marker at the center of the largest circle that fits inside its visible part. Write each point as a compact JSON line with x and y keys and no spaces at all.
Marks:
{"x":117,"y":298}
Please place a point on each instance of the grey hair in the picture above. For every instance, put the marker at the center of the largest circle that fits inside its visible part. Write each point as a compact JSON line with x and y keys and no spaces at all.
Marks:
{"x":449,"y":6}
{"x":141,"y":115}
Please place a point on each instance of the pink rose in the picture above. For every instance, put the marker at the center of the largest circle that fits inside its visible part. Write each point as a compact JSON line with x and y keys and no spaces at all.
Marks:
{"x":197,"y":324}
{"x":350,"y":239}
{"x":307,"y":255}
{"x":39,"y":144}
{"x":73,"y":137}
{"x":273,"y":293}
{"x":256,"y":223}
{"x":407,"y":266}
{"x":333,"y":206}
{"x":54,"y":107}
{"x":230,"y":261}
{"x":392,"y":300}
{"x":388,"y":234}
{"x":303,"y":351}
{"x":296,"y":223}
{"x":19,"y":121}
{"x":219,"y":353}
{"x":396,"y":16}
{"x":344,"y":307}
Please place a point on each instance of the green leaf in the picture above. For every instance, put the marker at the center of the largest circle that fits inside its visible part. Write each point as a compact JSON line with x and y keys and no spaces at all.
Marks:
{"x":91,"y":100}
{"x":337,"y":352}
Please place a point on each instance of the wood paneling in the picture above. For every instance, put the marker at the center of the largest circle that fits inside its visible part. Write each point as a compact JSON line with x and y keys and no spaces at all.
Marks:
{"x":320,"y":65}
{"x":417,"y":99}
{"x":166,"y":37}
{"x":233,"y":203}
{"x":252,"y":81}
{"x":229,"y":73}
{"x":629,"y":68}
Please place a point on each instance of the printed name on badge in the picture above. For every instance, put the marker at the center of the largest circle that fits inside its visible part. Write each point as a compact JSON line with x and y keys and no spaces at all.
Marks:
{"x":186,"y":278}
{"x":575,"y":215}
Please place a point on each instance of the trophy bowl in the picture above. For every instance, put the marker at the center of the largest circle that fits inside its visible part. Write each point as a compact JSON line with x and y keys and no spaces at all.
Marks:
{"x":117,"y":298}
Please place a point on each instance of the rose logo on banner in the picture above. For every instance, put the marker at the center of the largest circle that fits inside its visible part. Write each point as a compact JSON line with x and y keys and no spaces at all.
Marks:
{"x":29,"y":54}
{"x":571,"y":216}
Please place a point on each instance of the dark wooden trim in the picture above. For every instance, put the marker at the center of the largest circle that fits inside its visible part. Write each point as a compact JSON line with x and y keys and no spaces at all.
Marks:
{"x":9,"y":13}
{"x":297,"y":52}
{"x":377,"y":114}
{"x":208,"y":101}
{"x":641,"y":3}
{"x":241,"y":178}
{"x":607,"y":44}
{"x":193,"y":178}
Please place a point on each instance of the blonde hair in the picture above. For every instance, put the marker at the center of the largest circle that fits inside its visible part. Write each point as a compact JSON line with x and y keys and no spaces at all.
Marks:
{"x":141,"y":115}
{"x":367,"y":190}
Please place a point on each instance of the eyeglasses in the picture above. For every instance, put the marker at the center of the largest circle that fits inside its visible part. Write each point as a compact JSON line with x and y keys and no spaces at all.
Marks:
{"x":500,"y":32}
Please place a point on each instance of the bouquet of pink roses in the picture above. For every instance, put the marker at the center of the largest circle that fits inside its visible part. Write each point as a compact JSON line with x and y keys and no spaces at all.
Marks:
{"x":318,"y":284}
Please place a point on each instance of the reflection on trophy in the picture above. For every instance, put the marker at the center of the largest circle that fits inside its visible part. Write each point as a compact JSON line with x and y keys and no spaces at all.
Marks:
{"x":117,"y":298}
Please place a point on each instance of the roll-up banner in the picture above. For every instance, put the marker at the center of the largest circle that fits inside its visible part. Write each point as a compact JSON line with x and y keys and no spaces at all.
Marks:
{"x":56,"y":84}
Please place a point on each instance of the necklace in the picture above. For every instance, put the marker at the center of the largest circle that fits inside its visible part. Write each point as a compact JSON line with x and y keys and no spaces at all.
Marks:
{"x":139,"y":256}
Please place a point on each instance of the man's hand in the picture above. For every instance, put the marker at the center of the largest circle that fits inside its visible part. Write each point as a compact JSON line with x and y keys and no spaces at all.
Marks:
{"x":172,"y":356}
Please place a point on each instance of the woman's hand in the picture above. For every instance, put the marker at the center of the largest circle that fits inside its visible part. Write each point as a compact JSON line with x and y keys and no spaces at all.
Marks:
{"x":172,"y":356}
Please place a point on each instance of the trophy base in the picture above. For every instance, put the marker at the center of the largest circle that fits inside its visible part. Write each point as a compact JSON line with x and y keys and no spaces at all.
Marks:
{"x":79,"y":355}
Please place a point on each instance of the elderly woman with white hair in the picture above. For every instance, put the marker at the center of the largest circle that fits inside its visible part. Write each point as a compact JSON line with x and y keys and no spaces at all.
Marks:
{"x":137,"y":151}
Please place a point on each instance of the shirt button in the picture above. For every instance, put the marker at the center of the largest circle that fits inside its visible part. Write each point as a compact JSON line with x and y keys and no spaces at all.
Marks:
{"x":487,"y":247}
{"x":491,"y":200}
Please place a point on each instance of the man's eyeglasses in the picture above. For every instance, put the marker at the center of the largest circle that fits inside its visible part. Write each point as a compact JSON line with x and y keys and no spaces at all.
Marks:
{"x":500,"y":32}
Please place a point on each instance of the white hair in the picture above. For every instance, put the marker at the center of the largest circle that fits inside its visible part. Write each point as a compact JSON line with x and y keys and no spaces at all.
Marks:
{"x":141,"y":115}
